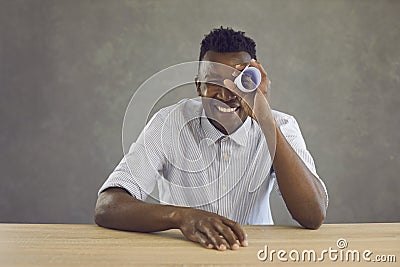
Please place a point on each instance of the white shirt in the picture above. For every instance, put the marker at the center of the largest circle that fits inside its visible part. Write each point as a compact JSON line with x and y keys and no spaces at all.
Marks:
{"x":194,"y":164}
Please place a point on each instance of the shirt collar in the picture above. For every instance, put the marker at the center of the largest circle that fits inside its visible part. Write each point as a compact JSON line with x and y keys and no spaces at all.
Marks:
{"x":239,"y":136}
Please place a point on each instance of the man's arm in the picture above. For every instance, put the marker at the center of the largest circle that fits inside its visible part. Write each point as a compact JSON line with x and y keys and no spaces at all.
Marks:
{"x":117,"y":209}
{"x":303,"y":194}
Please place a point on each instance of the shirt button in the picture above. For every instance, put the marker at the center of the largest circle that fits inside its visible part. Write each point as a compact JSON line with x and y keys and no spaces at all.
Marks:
{"x":225,"y":155}
{"x":225,"y":139}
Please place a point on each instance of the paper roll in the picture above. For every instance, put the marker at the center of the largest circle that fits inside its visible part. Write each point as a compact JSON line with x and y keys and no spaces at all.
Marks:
{"x":249,"y":79}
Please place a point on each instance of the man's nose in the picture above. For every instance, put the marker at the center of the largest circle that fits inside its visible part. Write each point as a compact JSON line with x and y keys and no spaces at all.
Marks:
{"x":226,"y":95}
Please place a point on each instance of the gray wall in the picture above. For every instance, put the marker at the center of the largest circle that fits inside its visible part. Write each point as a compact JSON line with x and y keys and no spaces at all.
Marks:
{"x":69,"y":68}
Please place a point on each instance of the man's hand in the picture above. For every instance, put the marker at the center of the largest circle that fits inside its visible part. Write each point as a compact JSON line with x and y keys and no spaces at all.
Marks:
{"x":265,"y":85}
{"x":256,"y":104}
{"x":117,"y":209}
{"x":211,"y":230}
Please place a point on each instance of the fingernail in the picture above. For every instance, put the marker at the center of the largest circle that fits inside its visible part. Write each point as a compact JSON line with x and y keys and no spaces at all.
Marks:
{"x":210,"y":246}
{"x":222,"y":247}
{"x":226,"y":83}
{"x":253,"y":60}
{"x":237,"y":66}
{"x":245,"y":243}
{"x":235,"y":246}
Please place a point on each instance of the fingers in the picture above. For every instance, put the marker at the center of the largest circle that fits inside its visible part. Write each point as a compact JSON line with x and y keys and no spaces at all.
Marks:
{"x":212,"y":231}
{"x":220,"y":236}
{"x":240,"y":67}
{"x":258,"y":65}
{"x":264,"y":73}
{"x":265,"y":79}
{"x":214,"y":238}
{"x":238,"y":231}
{"x":228,"y":235}
{"x":200,"y":238}
{"x":224,"y":234}
{"x":231,"y":86}
{"x":203,"y":240}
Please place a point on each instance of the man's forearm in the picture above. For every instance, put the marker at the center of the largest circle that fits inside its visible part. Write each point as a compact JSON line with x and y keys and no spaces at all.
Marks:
{"x":303,"y":194}
{"x":116,"y":209}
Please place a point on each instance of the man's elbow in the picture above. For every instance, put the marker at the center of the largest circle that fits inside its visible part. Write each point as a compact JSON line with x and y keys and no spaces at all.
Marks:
{"x":103,"y":212}
{"x":314,"y":222}
{"x":100,"y":216}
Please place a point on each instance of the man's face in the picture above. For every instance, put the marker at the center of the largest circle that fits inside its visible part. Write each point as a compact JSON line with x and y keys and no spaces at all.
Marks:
{"x":225,"y":109}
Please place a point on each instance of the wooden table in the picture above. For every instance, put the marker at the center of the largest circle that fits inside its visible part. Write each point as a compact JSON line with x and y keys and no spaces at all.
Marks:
{"x":90,"y":245}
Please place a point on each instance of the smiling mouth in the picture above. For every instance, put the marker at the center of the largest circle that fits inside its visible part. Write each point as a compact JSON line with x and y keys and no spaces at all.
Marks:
{"x":227,"y":110}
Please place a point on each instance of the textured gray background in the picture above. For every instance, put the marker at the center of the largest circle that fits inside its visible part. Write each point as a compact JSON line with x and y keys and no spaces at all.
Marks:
{"x":69,"y":68}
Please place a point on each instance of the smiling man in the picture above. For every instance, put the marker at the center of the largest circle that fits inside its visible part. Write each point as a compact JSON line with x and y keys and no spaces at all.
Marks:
{"x":216,"y":161}
{"x":223,"y":106}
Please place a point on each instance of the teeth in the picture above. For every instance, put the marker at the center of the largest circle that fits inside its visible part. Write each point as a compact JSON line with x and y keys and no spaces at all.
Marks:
{"x":222,"y":109}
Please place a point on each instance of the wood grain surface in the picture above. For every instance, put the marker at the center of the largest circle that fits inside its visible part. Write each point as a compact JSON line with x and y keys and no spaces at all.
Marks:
{"x":90,"y":245}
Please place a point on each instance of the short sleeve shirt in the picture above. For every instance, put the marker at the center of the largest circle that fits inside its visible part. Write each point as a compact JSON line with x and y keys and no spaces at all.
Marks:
{"x":193,"y":164}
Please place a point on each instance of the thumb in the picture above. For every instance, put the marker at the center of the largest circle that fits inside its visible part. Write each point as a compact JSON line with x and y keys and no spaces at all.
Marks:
{"x":229,"y":84}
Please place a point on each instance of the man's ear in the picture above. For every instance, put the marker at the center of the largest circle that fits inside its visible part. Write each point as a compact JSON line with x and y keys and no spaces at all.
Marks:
{"x":198,"y":85}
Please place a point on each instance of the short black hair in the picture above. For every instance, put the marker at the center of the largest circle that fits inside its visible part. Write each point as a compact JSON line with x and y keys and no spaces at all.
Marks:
{"x":223,"y":40}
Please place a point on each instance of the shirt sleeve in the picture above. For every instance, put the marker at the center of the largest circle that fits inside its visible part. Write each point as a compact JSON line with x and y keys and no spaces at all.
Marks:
{"x":291,"y":130}
{"x":140,"y":169}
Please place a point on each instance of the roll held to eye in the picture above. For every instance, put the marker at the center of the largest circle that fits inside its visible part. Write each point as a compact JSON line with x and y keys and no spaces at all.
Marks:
{"x":248,"y":80}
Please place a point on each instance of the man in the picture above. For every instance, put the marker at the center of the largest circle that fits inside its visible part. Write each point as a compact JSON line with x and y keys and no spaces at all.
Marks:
{"x":210,"y":159}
